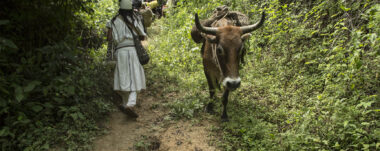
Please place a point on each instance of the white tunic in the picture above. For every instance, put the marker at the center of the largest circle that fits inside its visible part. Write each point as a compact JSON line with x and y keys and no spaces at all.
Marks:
{"x":129,"y":73}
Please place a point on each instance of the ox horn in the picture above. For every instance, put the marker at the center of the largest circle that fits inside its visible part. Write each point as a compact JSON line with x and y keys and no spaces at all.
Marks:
{"x":207,"y":30}
{"x":250,"y":28}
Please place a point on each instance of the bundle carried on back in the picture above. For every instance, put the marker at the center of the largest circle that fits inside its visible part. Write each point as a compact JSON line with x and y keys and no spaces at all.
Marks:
{"x":147,"y":15}
{"x":237,"y":18}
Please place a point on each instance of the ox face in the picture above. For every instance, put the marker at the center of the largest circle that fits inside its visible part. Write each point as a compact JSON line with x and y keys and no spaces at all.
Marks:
{"x":228,"y":41}
{"x":228,"y":49}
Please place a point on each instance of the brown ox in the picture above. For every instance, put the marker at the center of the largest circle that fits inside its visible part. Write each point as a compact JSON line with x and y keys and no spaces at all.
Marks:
{"x":221,"y":52}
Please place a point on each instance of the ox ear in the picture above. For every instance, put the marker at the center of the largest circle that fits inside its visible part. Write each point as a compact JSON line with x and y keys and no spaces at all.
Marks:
{"x":246,"y":36}
{"x":212,"y":39}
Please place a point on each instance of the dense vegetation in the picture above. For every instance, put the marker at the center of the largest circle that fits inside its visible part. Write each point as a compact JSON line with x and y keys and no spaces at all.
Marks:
{"x":53,"y":86}
{"x":311,"y":82}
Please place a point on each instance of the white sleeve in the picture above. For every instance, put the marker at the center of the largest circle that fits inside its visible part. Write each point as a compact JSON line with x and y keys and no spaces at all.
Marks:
{"x":140,"y":26}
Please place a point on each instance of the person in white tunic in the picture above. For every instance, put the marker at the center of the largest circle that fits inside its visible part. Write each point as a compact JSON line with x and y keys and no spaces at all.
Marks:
{"x":129,"y":77}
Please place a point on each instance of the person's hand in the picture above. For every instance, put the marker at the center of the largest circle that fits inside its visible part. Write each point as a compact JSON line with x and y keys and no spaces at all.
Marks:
{"x":142,"y":38}
{"x":109,"y":34}
{"x":144,"y":44}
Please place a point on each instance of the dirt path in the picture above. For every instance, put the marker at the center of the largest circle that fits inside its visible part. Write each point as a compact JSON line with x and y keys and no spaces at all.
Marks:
{"x":153,"y":131}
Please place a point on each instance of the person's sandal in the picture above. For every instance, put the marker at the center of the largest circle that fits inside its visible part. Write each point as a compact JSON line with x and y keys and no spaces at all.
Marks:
{"x":130,"y":111}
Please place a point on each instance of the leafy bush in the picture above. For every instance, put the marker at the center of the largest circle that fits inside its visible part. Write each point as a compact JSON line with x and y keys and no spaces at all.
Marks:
{"x":53,"y":86}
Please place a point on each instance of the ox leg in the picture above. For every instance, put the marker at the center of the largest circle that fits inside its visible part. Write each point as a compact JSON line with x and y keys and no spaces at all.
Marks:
{"x":225,"y":101}
{"x":210,"y":105}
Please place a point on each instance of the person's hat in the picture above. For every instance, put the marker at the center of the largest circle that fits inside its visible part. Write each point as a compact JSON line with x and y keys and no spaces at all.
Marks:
{"x":126,"y":4}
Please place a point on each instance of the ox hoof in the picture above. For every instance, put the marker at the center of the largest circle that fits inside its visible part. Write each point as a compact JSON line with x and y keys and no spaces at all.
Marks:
{"x":225,"y":120}
{"x":210,"y":108}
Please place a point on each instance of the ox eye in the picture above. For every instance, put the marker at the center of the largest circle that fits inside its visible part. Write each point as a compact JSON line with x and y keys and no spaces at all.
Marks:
{"x":220,"y":50}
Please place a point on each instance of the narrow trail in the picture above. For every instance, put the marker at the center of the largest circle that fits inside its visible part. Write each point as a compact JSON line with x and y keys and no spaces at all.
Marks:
{"x":152,"y":131}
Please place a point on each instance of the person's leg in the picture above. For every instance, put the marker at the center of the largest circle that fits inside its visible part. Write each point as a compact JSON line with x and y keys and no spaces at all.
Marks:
{"x":132,"y":99}
{"x":131,"y":104}
{"x":124,"y":98}
{"x":128,"y":103}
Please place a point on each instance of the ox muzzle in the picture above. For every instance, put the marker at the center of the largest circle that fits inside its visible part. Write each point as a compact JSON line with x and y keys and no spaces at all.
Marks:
{"x":231,"y":83}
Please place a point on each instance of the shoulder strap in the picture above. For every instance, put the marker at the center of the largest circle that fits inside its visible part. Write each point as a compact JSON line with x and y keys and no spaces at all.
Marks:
{"x":129,"y":24}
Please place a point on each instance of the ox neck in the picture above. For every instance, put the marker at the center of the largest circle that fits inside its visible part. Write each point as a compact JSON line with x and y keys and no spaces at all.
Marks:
{"x":216,"y":59}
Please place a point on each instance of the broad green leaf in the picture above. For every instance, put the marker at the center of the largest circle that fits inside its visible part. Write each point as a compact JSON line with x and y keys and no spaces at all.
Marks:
{"x":8,"y":43}
{"x":337,"y":145}
{"x":4,"y":131}
{"x":4,"y":90}
{"x":21,"y":116}
{"x":58,"y":100}
{"x":70,"y":90}
{"x":365,"y":123}
{"x":344,"y":8}
{"x":19,"y":94}
{"x":3,"y":102}
{"x":345,"y":123}
{"x":80,"y":115}
{"x":48,"y":105}
{"x":365,"y":104}
{"x":31,"y":86}
{"x":365,"y":146}
{"x":4,"y":22}
{"x":37,"y":108}
{"x":45,"y":91}
{"x":45,"y":146}
{"x":74,"y":116}
{"x":326,"y":142}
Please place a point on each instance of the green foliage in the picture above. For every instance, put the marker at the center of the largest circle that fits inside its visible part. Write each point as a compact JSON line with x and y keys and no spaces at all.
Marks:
{"x":147,"y":144}
{"x":186,"y":107}
{"x":312,"y":82}
{"x":53,"y":86}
